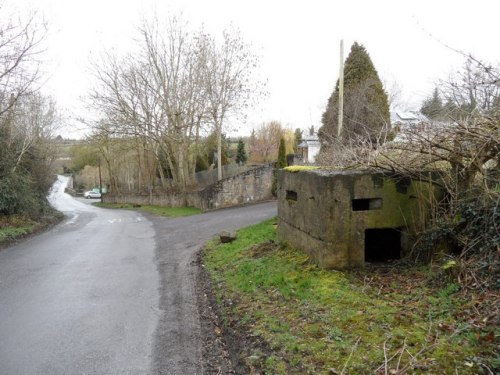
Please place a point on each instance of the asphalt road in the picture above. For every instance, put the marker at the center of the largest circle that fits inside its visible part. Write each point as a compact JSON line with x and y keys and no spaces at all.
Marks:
{"x":108,"y":291}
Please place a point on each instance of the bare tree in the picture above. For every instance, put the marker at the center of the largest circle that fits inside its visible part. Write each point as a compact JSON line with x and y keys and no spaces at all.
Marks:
{"x":467,"y":147}
{"x":129,"y":108}
{"x":263,"y":146}
{"x":35,"y":120}
{"x":20,"y":49}
{"x":463,"y":151}
{"x":394,"y":93}
{"x":156,"y":96}
{"x":228,"y":80}
{"x":474,"y":88}
{"x":177,"y":76}
{"x":177,"y":87}
{"x":27,"y":118}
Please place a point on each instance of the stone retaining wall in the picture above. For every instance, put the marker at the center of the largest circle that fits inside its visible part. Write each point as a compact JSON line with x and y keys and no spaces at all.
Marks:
{"x":251,"y":186}
{"x":166,"y":200}
{"x":209,"y":177}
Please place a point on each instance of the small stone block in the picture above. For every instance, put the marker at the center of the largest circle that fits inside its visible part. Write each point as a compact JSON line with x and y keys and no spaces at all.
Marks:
{"x":227,"y":237}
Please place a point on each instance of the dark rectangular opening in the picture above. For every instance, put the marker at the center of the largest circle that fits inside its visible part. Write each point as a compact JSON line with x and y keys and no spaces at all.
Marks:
{"x":291,"y":195}
{"x":382,"y":245}
{"x":366,"y":204}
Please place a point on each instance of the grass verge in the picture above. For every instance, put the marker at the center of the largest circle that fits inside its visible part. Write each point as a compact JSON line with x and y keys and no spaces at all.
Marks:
{"x":15,"y":227}
{"x":157,"y":210}
{"x":294,"y":318}
{"x":10,"y":233}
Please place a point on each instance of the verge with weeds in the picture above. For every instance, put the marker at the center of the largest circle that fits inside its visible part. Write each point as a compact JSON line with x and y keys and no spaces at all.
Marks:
{"x":156,"y":210}
{"x":292,"y":317}
{"x":15,"y":227}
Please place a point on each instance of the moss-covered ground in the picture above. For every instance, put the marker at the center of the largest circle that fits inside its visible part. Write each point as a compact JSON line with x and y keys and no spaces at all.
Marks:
{"x":295,"y":318}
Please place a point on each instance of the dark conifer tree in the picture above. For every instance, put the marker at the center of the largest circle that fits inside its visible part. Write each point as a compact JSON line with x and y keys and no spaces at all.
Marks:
{"x":282,"y":154}
{"x":297,"y":139}
{"x":366,"y":105}
{"x":281,"y":163}
{"x":432,"y":107}
{"x":241,"y":155}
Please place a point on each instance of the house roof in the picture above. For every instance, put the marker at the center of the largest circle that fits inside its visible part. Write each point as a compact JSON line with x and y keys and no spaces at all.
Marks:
{"x":407,"y":117}
{"x":310,"y":137}
{"x":309,"y":140}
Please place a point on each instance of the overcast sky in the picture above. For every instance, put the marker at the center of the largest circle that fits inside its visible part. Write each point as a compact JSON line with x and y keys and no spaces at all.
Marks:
{"x":298,"y":42}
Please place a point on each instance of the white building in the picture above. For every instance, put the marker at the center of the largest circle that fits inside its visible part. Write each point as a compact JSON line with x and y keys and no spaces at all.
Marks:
{"x":309,"y":148}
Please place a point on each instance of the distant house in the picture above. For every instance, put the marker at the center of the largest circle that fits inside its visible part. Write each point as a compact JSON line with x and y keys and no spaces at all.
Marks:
{"x":308,"y":149}
{"x":402,"y":118}
{"x":407,"y":120}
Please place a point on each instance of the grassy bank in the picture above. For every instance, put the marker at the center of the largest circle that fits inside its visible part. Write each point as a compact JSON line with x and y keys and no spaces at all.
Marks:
{"x":157,"y":210}
{"x":9,"y":231}
{"x":292,"y":317}
{"x":15,"y":227}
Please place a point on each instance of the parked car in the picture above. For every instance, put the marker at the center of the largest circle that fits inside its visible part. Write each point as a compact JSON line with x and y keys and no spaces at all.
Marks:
{"x":92,"y":194}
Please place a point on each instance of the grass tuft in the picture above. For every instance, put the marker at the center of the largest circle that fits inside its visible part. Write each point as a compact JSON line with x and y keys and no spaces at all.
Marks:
{"x":9,"y":233}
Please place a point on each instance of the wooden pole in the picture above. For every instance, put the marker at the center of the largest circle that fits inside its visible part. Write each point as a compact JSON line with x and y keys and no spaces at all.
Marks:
{"x":219,"y":152}
{"x":100,"y":180}
{"x":341,"y":89}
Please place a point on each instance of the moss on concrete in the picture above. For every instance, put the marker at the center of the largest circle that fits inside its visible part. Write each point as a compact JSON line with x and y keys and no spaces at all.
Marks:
{"x":298,"y":168}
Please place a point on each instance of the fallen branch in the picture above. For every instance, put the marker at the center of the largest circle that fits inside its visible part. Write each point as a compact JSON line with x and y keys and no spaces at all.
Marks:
{"x":350,"y":355}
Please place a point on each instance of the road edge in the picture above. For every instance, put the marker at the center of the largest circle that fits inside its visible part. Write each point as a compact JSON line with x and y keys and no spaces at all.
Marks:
{"x":216,"y":356}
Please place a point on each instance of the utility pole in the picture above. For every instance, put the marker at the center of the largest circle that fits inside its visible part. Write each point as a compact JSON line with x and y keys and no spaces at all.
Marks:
{"x":100,"y":180}
{"x":219,"y":152}
{"x":341,"y":89}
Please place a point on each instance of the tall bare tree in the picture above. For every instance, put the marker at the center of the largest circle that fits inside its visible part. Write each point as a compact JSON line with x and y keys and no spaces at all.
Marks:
{"x":35,"y":120}
{"x":20,"y":50}
{"x":229,"y":83}
{"x":474,"y":88}
{"x":264,"y":144}
{"x":176,"y":72}
{"x":178,"y":86}
{"x":27,"y":118}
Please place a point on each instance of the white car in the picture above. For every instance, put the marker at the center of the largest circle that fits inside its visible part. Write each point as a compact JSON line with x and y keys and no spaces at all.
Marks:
{"x":92,"y":194}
